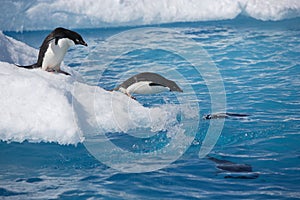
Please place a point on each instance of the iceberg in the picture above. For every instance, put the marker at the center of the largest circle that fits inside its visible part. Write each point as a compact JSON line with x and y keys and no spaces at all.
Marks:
{"x":34,"y":14}
{"x":39,"y":106}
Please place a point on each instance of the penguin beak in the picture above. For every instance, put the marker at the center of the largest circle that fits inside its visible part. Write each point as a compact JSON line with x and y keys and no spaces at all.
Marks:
{"x":84,"y":43}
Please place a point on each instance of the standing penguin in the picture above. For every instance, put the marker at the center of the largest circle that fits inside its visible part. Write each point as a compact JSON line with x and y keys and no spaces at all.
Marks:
{"x":54,"y":48}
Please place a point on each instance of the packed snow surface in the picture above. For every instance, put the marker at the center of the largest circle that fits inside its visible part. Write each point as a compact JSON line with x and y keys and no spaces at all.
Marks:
{"x":40,"y":106}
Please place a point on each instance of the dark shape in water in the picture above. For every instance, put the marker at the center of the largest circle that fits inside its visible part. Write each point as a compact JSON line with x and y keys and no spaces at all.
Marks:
{"x":243,"y":176}
{"x":224,"y":115}
{"x":230,"y":166}
{"x":237,"y":171}
{"x":29,"y":180}
{"x":33,"y":180}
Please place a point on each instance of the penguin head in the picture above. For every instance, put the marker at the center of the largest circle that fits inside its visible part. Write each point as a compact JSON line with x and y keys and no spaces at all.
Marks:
{"x":207,"y":116}
{"x":72,"y":35}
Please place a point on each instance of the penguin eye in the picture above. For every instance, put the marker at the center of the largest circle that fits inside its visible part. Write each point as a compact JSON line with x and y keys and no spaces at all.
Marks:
{"x":77,"y":40}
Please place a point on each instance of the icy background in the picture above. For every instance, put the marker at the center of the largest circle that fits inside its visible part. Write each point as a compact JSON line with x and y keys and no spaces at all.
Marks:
{"x":18,"y":15}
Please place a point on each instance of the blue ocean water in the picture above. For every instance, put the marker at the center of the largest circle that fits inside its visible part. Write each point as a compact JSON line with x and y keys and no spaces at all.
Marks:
{"x":259,"y":63}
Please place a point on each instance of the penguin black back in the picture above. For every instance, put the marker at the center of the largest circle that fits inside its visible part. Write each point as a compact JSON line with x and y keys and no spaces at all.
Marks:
{"x":156,"y":79}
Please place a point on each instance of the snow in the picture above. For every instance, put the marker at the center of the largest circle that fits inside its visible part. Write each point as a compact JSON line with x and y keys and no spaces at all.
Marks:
{"x":39,"y":106}
{"x":34,"y":14}
{"x":13,"y":51}
{"x":35,"y":106}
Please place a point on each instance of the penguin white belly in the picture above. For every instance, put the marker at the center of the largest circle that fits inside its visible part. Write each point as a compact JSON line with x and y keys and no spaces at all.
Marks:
{"x":56,"y":53}
{"x":143,"y":87}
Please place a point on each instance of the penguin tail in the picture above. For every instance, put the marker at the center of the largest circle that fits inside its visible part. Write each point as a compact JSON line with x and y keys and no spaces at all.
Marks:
{"x":33,"y":66}
{"x":114,"y":89}
{"x":111,"y":90}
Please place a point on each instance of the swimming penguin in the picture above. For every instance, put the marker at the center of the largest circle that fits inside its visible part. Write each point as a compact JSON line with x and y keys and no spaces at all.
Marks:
{"x":224,"y":115}
{"x":147,"y":83}
{"x":230,"y":166}
{"x":234,"y":170}
{"x":54,"y":48}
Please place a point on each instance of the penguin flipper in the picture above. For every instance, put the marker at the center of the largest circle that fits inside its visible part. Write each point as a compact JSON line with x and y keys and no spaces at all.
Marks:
{"x":33,"y":66}
{"x":56,"y":40}
{"x":156,"y":84}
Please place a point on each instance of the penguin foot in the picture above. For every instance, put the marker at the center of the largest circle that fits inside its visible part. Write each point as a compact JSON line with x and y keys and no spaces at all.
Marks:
{"x":58,"y":71}
{"x":63,"y":72}
{"x":130,"y":96}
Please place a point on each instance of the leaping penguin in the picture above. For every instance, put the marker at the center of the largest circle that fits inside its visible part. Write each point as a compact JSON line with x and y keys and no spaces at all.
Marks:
{"x":54,"y":48}
{"x":147,"y":83}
